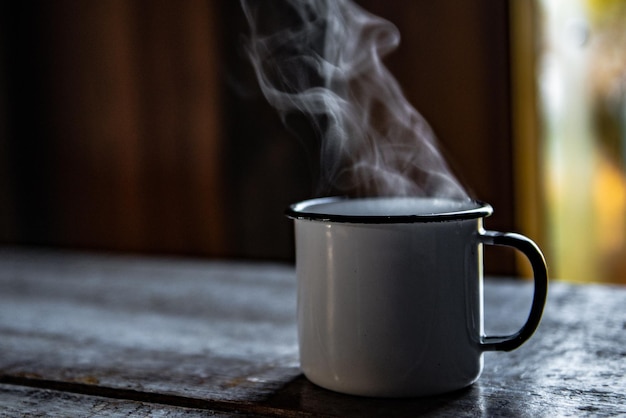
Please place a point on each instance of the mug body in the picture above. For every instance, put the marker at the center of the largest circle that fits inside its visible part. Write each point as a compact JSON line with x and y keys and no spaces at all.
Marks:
{"x":389,"y":306}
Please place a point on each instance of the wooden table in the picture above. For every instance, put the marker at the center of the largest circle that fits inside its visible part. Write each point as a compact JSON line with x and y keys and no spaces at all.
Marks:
{"x":104,"y":335}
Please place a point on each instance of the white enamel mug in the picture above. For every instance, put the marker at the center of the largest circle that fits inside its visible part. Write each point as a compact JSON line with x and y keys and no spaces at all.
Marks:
{"x":390,"y":299}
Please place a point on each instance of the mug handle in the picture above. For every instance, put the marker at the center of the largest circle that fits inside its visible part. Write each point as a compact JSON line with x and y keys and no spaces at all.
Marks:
{"x":540,"y":272}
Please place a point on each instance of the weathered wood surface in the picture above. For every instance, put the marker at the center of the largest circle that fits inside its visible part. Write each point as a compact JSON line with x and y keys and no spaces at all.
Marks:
{"x":20,"y":401}
{"x":104,"y":335}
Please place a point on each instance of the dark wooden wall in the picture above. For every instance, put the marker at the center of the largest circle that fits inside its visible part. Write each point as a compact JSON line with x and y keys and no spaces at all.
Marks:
{"x":137,"y":125}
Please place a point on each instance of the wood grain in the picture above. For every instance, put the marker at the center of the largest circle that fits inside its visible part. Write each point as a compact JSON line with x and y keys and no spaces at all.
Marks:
{"x":221,"y":337}
{"x":22,"y":401}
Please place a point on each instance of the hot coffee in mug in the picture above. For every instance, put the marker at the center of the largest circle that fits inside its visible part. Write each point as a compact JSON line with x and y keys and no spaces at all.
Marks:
{"x":390,"y":299}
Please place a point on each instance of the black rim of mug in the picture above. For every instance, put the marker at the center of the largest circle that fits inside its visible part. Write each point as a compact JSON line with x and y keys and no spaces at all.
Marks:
{"x":299,"y":211}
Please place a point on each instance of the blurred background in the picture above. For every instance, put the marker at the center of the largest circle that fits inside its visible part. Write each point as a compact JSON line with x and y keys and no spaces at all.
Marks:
{"x":138,"y":127}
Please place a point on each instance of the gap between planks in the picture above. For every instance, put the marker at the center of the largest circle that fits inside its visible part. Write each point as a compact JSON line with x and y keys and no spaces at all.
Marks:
{"x":150,"y":397}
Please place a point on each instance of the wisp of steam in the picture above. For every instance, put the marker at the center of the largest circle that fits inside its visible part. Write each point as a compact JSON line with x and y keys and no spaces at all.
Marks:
{"x":324,"y":58}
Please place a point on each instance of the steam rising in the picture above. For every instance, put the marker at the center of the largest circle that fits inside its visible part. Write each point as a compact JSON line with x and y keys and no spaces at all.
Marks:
{"x":323,"y":58}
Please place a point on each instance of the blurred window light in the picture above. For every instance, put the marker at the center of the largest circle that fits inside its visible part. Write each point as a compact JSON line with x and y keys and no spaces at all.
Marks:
{"x":581,"y":80}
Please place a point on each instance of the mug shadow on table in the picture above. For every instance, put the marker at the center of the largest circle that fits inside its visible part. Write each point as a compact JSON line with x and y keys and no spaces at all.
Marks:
{"x":301,"y":395}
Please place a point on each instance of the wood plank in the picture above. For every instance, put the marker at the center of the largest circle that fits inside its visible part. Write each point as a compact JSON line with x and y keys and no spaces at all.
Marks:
{"x":26,"y":401}
{"x":207,"y":330}
{"x":222,"y":336}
